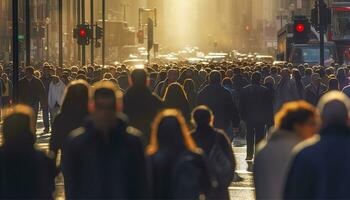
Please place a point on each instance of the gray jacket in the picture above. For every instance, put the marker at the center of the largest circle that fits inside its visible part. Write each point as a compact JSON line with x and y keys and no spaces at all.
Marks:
{"x":272,"y":164}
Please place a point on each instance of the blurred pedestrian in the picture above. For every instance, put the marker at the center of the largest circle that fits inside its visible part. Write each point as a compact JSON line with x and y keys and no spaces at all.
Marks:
{"x":46,"y":79}
{"x":73,"y":112}
{"x":55,"y":96}
{"x":191,"y":93}
{"x":314,"y":90}
{"x":105,"y":157}
{"x":296,"y":121}
{"x":176,"y":98}
{"x":32,"y":91}
{"x":286,"y":90}
{"x":172,"y":77}
{"x":140,"y":105}
{"x":220,"y":101}
{"x":255,"y":102}
{"x":26,"y":173}
{"x":178,"y":167}
{"x":320,"y":169}
{"x":217,"y":147}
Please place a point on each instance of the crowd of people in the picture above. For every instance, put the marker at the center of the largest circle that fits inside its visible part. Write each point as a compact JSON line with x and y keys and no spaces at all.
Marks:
{"x":166,"y":131}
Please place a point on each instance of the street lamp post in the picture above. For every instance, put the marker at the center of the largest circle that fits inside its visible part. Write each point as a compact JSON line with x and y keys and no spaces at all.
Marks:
{"x":15,"y":52}
{"x":60,"y":35}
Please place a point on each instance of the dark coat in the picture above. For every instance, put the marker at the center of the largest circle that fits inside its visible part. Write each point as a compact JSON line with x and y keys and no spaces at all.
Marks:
{"x":205,"y":139}
{"x":313,"y":95}
{"x":26,"y":174}
{"x":321,"y":170}
{"x":255,"y":104}
{"x":62,"y":125}
{"x":220,"y":101}
{"x":141,"y":106}
{"x":95,"y":168}
{"x":181,"y":176}
{"x":32,"y":92}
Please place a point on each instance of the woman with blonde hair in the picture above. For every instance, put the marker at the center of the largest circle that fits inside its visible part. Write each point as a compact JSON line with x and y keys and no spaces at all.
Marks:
{"x":178,"y":168}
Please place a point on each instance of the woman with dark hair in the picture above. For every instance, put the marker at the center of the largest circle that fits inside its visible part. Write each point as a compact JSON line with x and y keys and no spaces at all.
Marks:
{"x":73,"y":112}
{"x":191,"y":93}
{"x":295,"y":122}
{"x":217,"y":147}
{"x":178,"y":168}
{"x":175,"y":97}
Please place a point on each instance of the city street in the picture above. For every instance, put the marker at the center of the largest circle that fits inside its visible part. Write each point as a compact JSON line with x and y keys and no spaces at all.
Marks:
{"x":242,"y":189}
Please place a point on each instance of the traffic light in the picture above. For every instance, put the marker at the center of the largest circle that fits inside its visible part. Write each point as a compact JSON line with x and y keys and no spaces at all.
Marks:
{"x":83,"y":34}
{"x":140,"y":36}
{"x":99,"y":32}
{"x":301,"y":30}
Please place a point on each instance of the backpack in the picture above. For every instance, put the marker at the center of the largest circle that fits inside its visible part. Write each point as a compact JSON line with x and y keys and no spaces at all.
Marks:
{"x":220,"y":166}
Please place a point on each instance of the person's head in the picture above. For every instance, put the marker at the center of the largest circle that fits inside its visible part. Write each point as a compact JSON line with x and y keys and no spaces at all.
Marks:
{"x":46,"y":69}
{"x":75,"y":101}
{"x":173,"y":75}
{"x":334,"y":107}
{"x":29,"y":73}
{"x":285,"y":73}
{"x":18,"y":127}
{"x":174,"y":92}
{"x":189,"y":86}
{"x":202,"y":116}
{"x":55,"y":79}
{"x":269,"y":81}
{"x":256,"y":78}
{"x":333,"y":84}
{"x":299,"y":117}
{"x":139,"y":77}
{"x":170,"y":132}
{"x":296,"y":74}
{"x":227,"y":82}
{"x":104,"y":99}
{"x":308,"y":72}
{"x":215,"y":77}
{"x":316,"y":79}
{"x":229,"y":73}
{"x":273,"y":70}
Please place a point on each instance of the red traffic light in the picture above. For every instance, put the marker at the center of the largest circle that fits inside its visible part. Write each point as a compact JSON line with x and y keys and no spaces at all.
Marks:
{"x":82,"y":32}
{"x":299,"y":28}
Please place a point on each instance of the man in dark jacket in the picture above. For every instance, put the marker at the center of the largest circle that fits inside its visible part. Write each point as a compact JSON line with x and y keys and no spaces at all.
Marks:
{"x":140,"y":105}
{"x":220,"y":101}
{"x":32,"y":91}
{"x":254,"y":104}
{"x":46,"y":79}
{"x":321,"y":169}
{"x":105,"y":158}
{"x":315,"y":89}
{"x":26,"y":173}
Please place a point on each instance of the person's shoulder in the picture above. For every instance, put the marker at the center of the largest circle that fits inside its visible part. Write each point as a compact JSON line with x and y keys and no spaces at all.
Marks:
{"x":308,"y":149}
{"x":222,"y":135}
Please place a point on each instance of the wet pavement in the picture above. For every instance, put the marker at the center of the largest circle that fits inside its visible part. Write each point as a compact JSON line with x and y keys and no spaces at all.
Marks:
{"x":241,"y":189}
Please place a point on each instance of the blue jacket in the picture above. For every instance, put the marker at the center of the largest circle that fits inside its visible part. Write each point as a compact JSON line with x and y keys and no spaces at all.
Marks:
{"x":321,"y":170}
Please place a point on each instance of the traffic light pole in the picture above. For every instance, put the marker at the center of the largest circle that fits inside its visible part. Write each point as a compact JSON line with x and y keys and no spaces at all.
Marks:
{"x":92,"y":32}
{"x":104,"y":30}
{"x":27,"y":37}
{"x":60,"y":35}
{"x":83,"y":55}
{"x":15,"y":50}
{"x":322,"y":30}
{"x":78,"y":22}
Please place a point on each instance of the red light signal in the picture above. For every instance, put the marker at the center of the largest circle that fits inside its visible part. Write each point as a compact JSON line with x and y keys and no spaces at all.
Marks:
{"x":82,"y":32}
{"x":299,"y":28}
